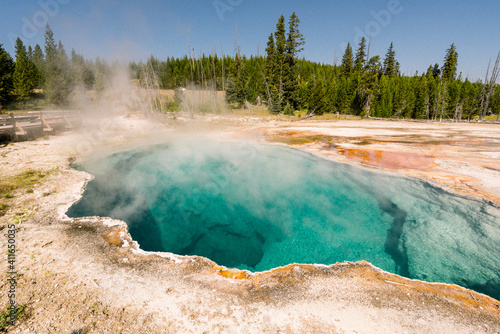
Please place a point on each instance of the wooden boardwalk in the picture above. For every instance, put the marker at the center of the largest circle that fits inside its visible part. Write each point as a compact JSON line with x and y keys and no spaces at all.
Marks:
{"x":31,"y":124}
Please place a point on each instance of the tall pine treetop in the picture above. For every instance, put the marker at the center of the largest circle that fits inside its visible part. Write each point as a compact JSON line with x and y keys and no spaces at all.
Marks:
{"x":391,"y":66}
{"x":279,"y":36}
{"x":271,"y":54}
{"x":271,"y":48}
{"x":282,"y":72}
{"x":360,"y":60}
{"x":450,"y":63}
{"x":295,"y":38}
{"x":50,"y":44}
{"x":37,"y":54}
{"x":347,"y":61}
{"x":58,"y":81}
{"x":6,"y":72}
{"x":60,"y":50}
{"x":23,"y":83}
{"x":21,"y":54}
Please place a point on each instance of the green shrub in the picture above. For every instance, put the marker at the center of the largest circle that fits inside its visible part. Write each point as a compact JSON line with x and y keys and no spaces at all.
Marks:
{"x":288,"y":110}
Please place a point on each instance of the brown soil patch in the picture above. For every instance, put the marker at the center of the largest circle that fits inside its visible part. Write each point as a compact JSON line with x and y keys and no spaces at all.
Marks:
{"x":389,"y":159}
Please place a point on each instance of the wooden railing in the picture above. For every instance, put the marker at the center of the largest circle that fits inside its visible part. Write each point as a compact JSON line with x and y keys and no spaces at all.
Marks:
{"x":21,"y":125}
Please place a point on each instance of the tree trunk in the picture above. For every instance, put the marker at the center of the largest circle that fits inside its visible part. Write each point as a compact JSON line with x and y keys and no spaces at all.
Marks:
{"x":223,"y":71}
{"x":280,"y":93}
{"x":438,"y":101}
{"x":427,"y":107}
{"x":443,"y":103}
{"x":458,"y":112}
{"x":368,"y":105}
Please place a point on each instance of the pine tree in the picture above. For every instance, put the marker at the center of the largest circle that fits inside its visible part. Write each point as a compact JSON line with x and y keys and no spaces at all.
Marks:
{"x":344,"y":96}
{"x":391,"y":66}
{"x":58,"y":82}
{"x":38,"y":61}
{"x":347,"y":61}
{"x":77,"y":63}
{"x":270,"y":68}
{"x":7,"y":66}
{"x":23,"y":84}
{"x":100,"y":83}
{"x":446,"y":90}
{"x":295,"y":39}
{"x":368,"y":84}
{"x":317,"y":99}
{"x":34,"y":73}
{"x":294,"y":43}
{"x":281,"y":64}
{"x":276,"y":101}
{"x":280,"y":36}
{"x":385,"y":97}
{"x":236,"y":91}
{"x":421,"y":99}
{"x":374,"y":66}
{"x":436,"y":71}
{"x":30,"y":53}
{"x":468,"y":98}
{"x":51,"y":68}
{"x":360,"y":60}
{"x":403,"y":96}
{"x":450,"y":63}
{"x":275,"y":66}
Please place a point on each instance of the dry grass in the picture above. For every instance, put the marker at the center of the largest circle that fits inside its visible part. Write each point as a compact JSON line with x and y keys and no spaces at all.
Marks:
{"x":22,"y":182}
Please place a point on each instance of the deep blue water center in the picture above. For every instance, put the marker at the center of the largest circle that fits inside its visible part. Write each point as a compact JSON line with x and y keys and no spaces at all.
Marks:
{"x":256,"y":207}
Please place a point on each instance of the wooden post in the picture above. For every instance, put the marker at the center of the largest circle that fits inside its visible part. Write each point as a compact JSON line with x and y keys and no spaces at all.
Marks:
{"x":16,"y":125}
{"x":67,"y":123}
{"x":43,"y":122}
{"x":13,"y":122}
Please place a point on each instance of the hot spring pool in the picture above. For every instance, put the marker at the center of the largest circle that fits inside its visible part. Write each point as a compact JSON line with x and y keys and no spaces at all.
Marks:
{"x":257,"y":207}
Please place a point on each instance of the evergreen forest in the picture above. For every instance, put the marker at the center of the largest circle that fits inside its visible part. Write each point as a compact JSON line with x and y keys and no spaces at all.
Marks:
{"x":361,"y":84}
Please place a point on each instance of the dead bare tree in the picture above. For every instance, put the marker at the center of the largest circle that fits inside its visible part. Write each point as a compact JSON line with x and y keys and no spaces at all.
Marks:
{"x":367,"y":106}
{"x":489,"y":86}
{"x":146,"y":85}
{"x":237,"y":44}
{"x":268,"y":91}
{"x":192,"y":60}
{"x":483,"y":91}
{"x":156,"y":86}
{"x":151,"y":87}
{"x":438,"y":100}
{"x":427,"y":106}
{"x":223,"y":70}
{"x":368,"y":50}
{"x":443,"y":102}
{"x":458,"y":111}
{"x":202,"y":72}
{"x":214,"y":78}
{"x":400,"y":110}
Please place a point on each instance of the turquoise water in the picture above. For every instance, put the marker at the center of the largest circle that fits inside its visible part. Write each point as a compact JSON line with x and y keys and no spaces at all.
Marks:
{"x":257,"y":207}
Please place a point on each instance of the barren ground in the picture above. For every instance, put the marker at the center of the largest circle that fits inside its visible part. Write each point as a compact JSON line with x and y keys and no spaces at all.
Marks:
{"x":88,"y":276}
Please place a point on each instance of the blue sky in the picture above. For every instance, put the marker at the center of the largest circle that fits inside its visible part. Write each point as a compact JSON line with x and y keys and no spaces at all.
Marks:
{"x":125,"y":29}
